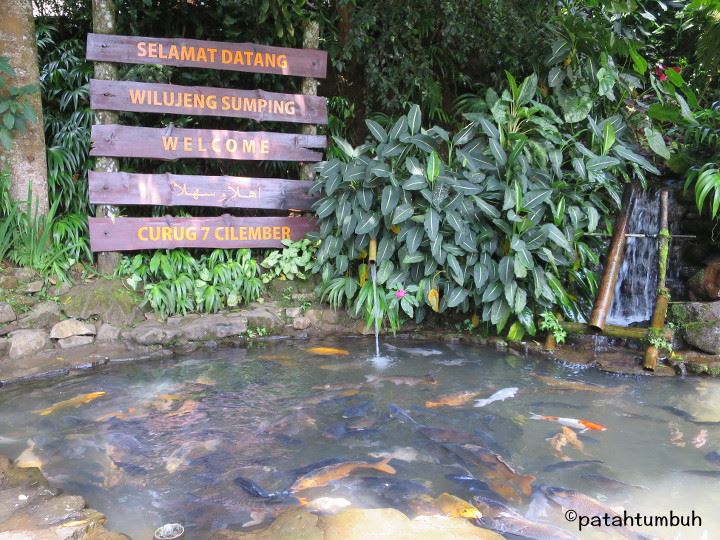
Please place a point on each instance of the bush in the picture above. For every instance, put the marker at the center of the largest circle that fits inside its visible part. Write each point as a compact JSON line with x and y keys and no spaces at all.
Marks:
{"x":497,"y":219}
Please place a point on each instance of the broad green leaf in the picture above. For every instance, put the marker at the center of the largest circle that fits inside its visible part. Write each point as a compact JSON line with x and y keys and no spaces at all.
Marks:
{"x":480,"y":275}
{"x":380,"y":168}
{"x":625,"y":153}
{"x":413,"y":239}
{"x":656,"y":142}
{"x":415,"y":182}
{"x":558,"y":51}
{"x":499,"y":313}
{"x":433,"y":167}
{"x":364,"y":197}
{"x":326,"y":207}
{"x":520,"y":300}
{"x":608,"y":137}
{"x":345,"y":146}
{"x":456,"y":297}
{"x":389,"y":199}
{"x":492,"y":292}
{"x":489,"y":128}
{"x":377,"y":130}
{"x":498,"y":152}
{"x":455,"y":269}
{"x":386,"y":248}
{"x":528,"y":88}
{"x":332,"y":183}
{"x":576,"y":109}
{"x":414,"y":119}
{"x":367,"y":223}
{"x":606,"y":82}
{"x":556,"y":76}
{"x":432,"y":223}
{"x":640,"y":65}
{"x":600,"y":163}
{"x":593,"y":218}
{"x":398,"y":129}
{"x":402,"y":213}
{"x":505,"y":270}
{"x":556,"y":236}
{"x":536,"y":197}
{"x":453,"y":218}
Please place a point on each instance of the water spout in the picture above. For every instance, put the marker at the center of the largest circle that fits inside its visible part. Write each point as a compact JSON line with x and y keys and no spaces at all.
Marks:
{"x":376,"y":315}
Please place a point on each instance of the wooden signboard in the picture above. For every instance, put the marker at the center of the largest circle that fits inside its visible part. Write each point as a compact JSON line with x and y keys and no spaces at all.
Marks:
{"x":174,"y":143}
{"x":127,"y":234}
{"x":197,"y":100}
{"x":186,"y":190}
{"x":207,"y":54}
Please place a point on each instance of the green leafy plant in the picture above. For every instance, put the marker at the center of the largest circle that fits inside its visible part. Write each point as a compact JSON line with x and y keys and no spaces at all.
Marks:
{"x":293,"y":262}
{"x":494,"y":219}
{"x":15,"y":112}
{"x":656,"y":338}
{"x":550,"y":323}
{"x":175,"y":282}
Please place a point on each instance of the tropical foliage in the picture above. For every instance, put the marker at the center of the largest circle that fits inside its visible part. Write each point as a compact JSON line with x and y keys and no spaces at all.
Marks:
{"x":495,"y":219}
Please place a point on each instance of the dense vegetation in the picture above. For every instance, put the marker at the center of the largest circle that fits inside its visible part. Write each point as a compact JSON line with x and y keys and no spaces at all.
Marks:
{"x":491,"y":211}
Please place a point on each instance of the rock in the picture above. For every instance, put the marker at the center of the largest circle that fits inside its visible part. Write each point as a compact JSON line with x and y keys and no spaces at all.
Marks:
{"x":75,"y":341}
{"x":109,"y":299}
{"x":25,"y":274}
{"x":24,"y":342}
{"x":72,"y":327}
{"x":47,"y":512}
{"x":700,"y":322}
{"x":152,"y":333}
{"x":212,"y":327}
{"x":293,"y":313}
{"x":8,"y":282}
{"x":4,"y":345}
{"x":7,"y":314}
{"x":108,"y":332}
{"x":705,"y":284}
{"x":60,"y":289}
{"x":42,"y":315}
{"x":263,"y":317}
{"x":302,"y":323}
{"x":362,"y":524}
{"x":34,"y":287}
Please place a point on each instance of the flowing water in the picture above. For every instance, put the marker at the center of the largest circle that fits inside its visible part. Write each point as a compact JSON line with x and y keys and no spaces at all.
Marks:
{"x":167,"y":441}
{"x":636,"y":287}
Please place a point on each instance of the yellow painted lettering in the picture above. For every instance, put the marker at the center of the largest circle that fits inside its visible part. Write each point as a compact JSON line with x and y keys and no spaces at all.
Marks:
{"x":170,"y":143}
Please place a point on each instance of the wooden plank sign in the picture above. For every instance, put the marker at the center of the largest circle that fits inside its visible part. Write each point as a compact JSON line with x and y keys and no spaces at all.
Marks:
{"x":127,"y":234}
{"x":186,"y":190}
{"x":207,"y":101}
{"x":207,"y":54}
{"x":174,"y":143}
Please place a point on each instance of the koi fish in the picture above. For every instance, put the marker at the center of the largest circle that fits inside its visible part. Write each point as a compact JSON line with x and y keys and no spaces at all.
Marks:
{"x":452,"y":506}
{"x":316,"y":477}
{"x":500,"y":395}
{"x":397,"y":381}
{"x":82,"y":399}
{"x":572,"y":438}
{"x":562,"y":384}
{"x":558,"y":442}
{"x":700,"y":439}
{"x":328,"y":351}
{"x":453,"y":400}
{"x":581,"y":425}
{"x":324,"y":475}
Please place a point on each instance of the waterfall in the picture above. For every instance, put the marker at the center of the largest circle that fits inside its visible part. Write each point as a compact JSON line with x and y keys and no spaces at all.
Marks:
{"x":637,"y":281}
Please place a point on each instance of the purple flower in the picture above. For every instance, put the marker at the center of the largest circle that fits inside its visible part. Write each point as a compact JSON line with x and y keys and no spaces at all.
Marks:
{"x":400,"y":293}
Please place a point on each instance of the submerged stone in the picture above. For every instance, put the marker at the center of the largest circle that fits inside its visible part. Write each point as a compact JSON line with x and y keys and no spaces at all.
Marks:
{"x":363,"y":524}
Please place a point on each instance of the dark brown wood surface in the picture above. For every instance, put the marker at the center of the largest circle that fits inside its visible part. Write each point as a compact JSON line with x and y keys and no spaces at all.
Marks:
{"x":175,"y":143}
{"x":206,"y":101}
{"x":186,"y":190}
{"x":129,"y":234}
{"x":207,"y":54}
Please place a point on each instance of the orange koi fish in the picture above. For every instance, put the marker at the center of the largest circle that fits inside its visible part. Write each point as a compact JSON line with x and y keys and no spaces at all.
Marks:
{"x":328,"y":351}
{"x":324,"y":475}
{"x":581,"y":425}
{"x":453,"y":400}
{"x":82,"y":399}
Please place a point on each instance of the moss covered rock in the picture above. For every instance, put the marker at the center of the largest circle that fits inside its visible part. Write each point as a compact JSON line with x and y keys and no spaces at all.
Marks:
{"x":700,"y":323}
{"x":108,"y":299}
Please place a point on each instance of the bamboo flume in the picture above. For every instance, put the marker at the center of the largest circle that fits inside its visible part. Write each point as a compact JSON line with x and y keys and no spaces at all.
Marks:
{"x":606,"y":291}
{"x":661,"y":300}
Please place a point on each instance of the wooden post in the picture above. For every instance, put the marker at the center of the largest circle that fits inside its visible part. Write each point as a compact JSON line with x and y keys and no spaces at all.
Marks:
{"x":661,"y":300}
{"x":309,"y":86}
{"x":606,"y":291}
{"x":104,"y":22}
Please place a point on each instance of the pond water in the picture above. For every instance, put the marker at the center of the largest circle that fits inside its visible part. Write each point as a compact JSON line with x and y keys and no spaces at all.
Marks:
{"x":167,"y":441}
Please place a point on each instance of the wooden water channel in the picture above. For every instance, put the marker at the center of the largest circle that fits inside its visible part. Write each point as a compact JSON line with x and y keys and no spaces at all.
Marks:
{"x":606,"y":291}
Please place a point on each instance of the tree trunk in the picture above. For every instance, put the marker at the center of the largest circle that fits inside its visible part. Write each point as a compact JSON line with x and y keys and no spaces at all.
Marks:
{"x":26,"y":160}
{"x":104,"y":15}
{"x":309,"y":86}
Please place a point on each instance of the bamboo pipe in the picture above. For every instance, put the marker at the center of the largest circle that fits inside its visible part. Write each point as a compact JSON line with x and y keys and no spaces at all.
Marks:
{"x":606,"y":291}
{"x":631,"y":332}
{"x":661,"y":300}
{"x":372,"y":251}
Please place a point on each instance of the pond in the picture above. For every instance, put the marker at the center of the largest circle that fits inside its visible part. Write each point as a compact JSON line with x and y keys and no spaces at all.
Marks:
{"x":189,"y":440}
